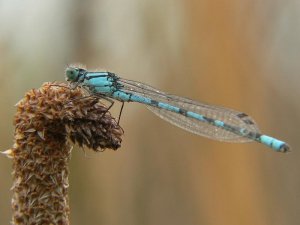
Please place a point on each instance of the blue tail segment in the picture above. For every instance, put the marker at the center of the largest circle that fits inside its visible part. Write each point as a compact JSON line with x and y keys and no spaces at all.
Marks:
{"x":210,"y":121}
{"x":273,"y":143}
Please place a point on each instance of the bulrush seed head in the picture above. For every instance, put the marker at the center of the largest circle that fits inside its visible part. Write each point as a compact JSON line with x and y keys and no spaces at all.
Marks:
{"x":45,"y":121}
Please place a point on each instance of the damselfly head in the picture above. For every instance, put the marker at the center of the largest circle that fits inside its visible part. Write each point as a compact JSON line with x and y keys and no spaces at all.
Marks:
{"x":72,"y":73}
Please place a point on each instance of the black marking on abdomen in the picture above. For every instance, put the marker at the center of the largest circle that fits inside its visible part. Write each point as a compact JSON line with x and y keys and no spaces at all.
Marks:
{"x":129,"y":98}
{"x":154,"y":103}
{"x":183,"y":111}
{"x":254,"y":135}
{"x":230,"y":128}
{"x":209,"y":120}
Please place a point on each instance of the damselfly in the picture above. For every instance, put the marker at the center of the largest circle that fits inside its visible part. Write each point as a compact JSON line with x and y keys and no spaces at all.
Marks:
{"x":210,"y":121}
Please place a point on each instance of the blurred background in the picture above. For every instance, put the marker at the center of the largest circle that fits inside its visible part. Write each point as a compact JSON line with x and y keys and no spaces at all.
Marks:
{"x":240,"y":54}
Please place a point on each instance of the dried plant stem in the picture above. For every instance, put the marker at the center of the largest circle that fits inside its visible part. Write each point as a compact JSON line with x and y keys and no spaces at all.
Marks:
{"x":45,"y":120}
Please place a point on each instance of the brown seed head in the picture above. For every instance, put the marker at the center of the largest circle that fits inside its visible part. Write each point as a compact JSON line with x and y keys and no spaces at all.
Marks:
{"x":45,"y":120}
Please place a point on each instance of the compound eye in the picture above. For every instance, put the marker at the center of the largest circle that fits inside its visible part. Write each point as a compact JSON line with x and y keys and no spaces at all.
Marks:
{"x":72,"y":74}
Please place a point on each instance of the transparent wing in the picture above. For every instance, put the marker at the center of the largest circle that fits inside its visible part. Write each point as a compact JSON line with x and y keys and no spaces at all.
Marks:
{"x":228,"y":116}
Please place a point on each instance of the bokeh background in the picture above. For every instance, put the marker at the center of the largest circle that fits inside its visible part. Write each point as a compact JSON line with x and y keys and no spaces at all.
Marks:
{"x":242,"y":54}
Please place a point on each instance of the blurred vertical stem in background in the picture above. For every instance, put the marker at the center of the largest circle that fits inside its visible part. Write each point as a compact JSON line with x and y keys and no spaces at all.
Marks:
{"x":45,"y":120}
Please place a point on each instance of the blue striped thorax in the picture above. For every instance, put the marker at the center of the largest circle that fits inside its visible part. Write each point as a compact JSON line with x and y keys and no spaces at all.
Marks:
{"x":101,"y":82}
